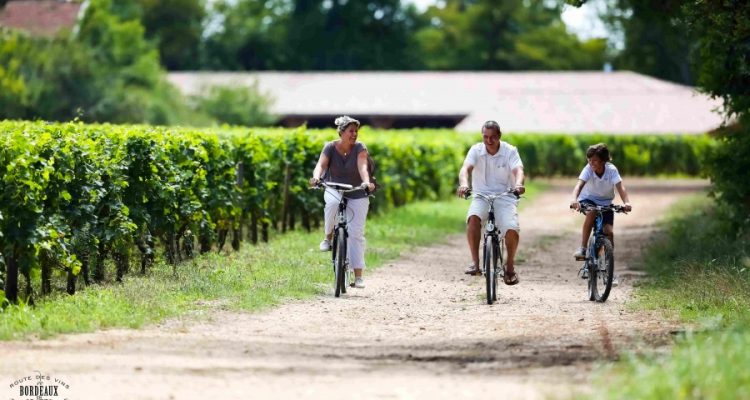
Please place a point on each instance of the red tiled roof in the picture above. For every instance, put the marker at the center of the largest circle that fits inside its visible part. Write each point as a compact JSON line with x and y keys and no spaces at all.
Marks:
{"x":40,"y":18}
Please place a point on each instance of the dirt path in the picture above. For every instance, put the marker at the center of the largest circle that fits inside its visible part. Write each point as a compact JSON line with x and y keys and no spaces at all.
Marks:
{"x":419,"y":330}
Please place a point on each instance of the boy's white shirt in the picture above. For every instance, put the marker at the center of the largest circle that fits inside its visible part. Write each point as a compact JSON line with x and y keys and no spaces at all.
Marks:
{"x":600,"y":190}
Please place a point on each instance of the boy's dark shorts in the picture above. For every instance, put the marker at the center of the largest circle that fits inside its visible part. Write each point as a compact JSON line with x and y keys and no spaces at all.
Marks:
{"x":609,"y":216}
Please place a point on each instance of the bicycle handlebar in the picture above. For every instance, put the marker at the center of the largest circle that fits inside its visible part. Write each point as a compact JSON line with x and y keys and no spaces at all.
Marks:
{"x":342,"y":187}
{"x":490,"y":197}
{"x":612,"y":207}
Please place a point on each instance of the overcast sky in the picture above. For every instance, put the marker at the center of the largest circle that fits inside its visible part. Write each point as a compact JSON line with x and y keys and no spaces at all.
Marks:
{"x":582,"y":21}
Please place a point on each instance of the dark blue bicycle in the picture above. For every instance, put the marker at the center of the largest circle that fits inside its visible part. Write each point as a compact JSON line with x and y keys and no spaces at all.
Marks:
{"x":599,"y":264}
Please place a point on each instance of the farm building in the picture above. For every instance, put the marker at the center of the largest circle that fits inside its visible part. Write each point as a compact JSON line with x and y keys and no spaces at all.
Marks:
{"x":544,"y":102}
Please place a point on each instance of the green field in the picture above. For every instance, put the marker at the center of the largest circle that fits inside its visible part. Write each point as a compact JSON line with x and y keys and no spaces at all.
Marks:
{"x":699,"y":273}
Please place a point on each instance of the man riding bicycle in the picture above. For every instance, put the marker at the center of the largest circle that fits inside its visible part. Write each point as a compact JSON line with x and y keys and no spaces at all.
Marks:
{"x":495,"y":167}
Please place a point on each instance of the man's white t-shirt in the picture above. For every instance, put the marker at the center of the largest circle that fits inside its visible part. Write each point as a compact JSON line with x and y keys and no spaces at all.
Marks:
{"x":492,"y":174}
{"x":600,"y":190}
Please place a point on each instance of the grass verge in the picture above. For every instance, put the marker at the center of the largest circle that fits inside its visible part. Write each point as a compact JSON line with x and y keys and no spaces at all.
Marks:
{"x":288,"y":267}
{"x":700,"y":273}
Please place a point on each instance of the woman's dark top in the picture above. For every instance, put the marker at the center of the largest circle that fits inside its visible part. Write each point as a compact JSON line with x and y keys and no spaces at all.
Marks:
{"x":343,"y":169}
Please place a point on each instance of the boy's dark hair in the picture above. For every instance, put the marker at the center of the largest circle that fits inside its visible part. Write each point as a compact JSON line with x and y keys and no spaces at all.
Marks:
{"x":599,"y":150}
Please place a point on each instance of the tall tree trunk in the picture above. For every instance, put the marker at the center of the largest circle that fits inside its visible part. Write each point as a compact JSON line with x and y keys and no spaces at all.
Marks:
{"x":236,"y":237}
{"x":205,"y":239}
{"x":222,"y":239}
{"x":254,"y":227}
{"x":264,"y":231}
{"x":147,"y":253}
{"x":167,"y":239}
{"x":99,"y":267}
{"x":71,"y":286}
{"x":85,"y":259}
{"x":11,"y":278}
{"x":285,"y":197}
{"x":46,"y":274}
{"x":292,"y":218}
{"x":29,"y":289}
{"x":122,"y":263}
{"x":306,"y":220}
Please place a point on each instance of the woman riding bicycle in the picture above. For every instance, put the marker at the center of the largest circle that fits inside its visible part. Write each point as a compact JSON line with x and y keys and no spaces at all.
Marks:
{"x":345,"y":161}
{"x":596,"y":186}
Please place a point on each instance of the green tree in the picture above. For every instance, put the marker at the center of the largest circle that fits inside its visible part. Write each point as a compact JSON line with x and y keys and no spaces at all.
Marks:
{"x":503,"y":35}
{"x":236,"y":105}
{"x":721,"y":29}
{"x":14,"y":92}
{"x":352,"y":35}
{"x":657,"y":39}
{"x":53,"y":79}
{"x":553,"y":48}
{"x":246,"y":35}
{"x":311,"y":35}
{"x":106,"y":72}
{"x":135,"y":88}
{"x":177,"y":26}
{"x":724,"y":72}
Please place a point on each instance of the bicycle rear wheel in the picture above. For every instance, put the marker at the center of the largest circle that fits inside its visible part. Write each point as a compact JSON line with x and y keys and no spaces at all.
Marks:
{"x":601,"y":280}
{"x":339,"y":262}
{"x":489,"y":270}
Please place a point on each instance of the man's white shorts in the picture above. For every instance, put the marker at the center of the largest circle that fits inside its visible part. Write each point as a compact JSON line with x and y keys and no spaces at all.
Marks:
{"x":506,"y":213}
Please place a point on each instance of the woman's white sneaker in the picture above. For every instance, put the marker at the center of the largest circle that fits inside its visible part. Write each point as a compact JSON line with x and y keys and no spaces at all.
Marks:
{"x":325,"y":245}
{"x":359,"y":283}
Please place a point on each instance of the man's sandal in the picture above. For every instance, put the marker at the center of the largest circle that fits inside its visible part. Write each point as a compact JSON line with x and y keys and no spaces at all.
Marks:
{"x":473,"y":270}
{"x":511,"y":279}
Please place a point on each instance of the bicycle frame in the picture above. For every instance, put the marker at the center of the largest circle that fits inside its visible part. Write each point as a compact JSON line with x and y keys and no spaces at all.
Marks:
{"x":339,"y":229}
{"x":493,"y":243}
{"x":598,"y":234}
{"x":339,"y":255}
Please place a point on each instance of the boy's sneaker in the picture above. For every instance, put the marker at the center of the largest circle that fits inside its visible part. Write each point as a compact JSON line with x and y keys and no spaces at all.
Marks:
{"x":584,"y":272}
{"x":325,"y":245}
{"x":359,"y":283}
{"x":615,"y":281}
{"x":580,"y":254}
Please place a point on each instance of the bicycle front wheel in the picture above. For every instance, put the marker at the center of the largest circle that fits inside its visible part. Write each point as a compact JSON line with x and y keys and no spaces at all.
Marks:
{"x":339,"y":262}
{"x":489,"y":269}
{"x":497,"y":266}
{"x":591,"y":267}
{"x":604,"y":267}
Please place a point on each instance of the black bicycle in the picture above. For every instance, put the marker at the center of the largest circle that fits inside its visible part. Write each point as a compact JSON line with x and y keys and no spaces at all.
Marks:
{"x":600,"y":256}
{"x":341,"y":271}
{"x":493,"y":245}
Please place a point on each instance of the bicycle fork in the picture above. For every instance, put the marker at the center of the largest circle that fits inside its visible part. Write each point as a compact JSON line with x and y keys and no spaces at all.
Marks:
{"x":341,"y":227}
{"x":591,"y":261}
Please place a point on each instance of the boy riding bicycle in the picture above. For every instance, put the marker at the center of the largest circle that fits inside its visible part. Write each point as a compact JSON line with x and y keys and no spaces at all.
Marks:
{"x":596,"y":186}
